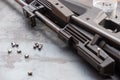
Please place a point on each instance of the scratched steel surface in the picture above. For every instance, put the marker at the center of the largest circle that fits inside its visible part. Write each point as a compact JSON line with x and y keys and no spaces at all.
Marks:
{"x":54,"y":62}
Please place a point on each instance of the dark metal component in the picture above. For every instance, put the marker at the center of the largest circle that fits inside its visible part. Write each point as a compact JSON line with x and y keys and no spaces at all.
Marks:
{"x":79,"y":32}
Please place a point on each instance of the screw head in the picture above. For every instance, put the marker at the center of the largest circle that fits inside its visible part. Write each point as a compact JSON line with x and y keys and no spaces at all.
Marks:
{"x":40,"y":47}
{"x":26,"y":56}
{"x":37,"y":44}
{"x":19,"y":51}
{"x":17,"y":45}
{"x":30,"y":73}
{"x":13,"y":44}
{"x":9,"y":51}
{"x":34,"y":47}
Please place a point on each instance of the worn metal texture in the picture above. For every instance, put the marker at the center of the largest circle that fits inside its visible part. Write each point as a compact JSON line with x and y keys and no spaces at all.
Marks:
{"x":56,"y":61}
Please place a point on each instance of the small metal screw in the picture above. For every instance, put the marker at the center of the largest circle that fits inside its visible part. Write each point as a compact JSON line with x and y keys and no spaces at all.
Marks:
{"x":40,"y":47}
{"x":9,"y":51}
{"x":30,"y":73}
{"x":26,"y":56}
{"x":37,"y":45}
{"x":13,"y":44}
{"x":34,"y":47}
{"x":19,"y":51}
{"x":17,"y":45}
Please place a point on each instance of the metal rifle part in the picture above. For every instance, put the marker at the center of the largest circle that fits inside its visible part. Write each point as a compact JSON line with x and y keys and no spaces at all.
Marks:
{"x":57,"y":10}
{"x":73,"y":31}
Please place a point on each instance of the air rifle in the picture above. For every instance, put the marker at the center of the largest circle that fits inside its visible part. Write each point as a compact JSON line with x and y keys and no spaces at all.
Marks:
{"x":96,"y":39}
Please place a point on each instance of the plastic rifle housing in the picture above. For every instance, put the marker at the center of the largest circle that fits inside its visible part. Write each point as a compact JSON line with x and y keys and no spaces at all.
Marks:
{"x":94,"y":36}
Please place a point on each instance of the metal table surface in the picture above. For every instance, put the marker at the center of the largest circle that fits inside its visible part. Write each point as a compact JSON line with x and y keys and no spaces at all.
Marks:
{"x":56,"y":61}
